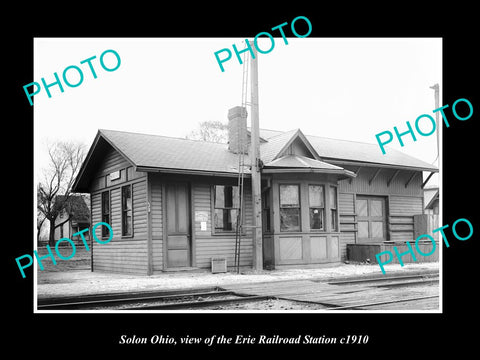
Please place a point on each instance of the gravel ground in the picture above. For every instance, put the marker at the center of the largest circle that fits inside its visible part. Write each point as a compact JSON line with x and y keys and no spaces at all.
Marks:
{"x":73,"y":277}
{"x":270,"y":304}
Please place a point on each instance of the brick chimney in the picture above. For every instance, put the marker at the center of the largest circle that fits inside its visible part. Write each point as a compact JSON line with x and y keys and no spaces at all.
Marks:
{"x":237,"y":130}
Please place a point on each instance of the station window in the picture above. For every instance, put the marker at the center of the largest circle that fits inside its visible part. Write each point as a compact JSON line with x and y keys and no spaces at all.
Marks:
{"x":289,"y":208}
{"x":226,"y":205}
{"x":316,"y":197}
{"x":105,"y":212}
{"x":333,"y":207}
{"x":127,"y":220}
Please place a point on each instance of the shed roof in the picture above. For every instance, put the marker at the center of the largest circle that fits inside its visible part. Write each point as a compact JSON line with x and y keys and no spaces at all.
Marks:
{"x":298,"y":163}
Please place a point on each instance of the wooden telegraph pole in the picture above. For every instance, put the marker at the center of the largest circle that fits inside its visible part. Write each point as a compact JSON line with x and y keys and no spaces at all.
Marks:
{"x":255,"y":160}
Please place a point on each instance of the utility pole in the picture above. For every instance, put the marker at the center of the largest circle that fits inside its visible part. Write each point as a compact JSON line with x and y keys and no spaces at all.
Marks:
{"x":436,"y":87}
{"x":255,"y":160}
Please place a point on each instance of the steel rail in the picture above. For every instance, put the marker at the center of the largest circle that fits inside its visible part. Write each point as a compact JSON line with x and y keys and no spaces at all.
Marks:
{"x":375,"y":279}
{"x":334,"y":307}
{"x":116,"y":300}
{"x":205,"y":303}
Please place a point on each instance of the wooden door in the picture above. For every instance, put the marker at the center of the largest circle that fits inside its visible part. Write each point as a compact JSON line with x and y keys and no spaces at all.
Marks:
{"x":178,"y":225}
{"x":371,"y":219}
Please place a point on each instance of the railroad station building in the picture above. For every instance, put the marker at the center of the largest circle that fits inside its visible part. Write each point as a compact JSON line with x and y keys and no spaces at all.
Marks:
{"x":172,"y":203}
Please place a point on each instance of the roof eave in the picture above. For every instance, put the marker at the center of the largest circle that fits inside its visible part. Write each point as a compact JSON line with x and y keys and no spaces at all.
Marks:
{"x":374,"y":164}
{"x":77,"y":184}
{"x":273,"y":170}
{"x":152,"y":169}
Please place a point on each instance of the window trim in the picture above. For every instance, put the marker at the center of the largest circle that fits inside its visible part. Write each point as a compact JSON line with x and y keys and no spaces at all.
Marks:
{"x":123,"y":211}
{"x":337,"y":215}
{"x":324,"y":229}
{"x":213,"y":208}
{"x":299,"y":187}
{"x":104,"y":228}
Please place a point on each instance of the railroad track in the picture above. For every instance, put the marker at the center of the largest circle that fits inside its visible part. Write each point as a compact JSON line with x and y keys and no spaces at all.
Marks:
{"x":365,"y":306}
{"x":290,"y":290}
{"x":393,"y":281}
{"x":184,"y":299}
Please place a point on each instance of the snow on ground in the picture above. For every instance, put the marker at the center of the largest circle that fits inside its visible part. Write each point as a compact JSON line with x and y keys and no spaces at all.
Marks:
{"x":82,"y":282}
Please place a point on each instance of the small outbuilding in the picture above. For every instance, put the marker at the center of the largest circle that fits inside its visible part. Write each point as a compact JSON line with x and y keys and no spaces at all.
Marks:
{"x":172,"y":203}
{"x":74,"y":217}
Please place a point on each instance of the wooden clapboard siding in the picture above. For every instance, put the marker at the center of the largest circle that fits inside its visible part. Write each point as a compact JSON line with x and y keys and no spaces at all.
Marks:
{"x":139,"y":209}
{"x":127,"y":254}
{"x":348,"y":220}
{"x":401,"y":211}
{"x":208,"y":244}
{"x":201,"y":202}
{"x":401,"y":202}
{"x":112,"y":161}
{"x":157,"y":223}
{"x":122,"y":254}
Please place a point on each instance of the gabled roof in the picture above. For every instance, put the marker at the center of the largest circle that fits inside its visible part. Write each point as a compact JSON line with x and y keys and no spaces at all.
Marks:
{"x":346,"y":151}
{"x":430,"y":194}
{"x":76,"y":207}
{"x":298,"y":163}
{"x":167,"y":154}
{"x":147,"y":152}
{"x":276,"y":145}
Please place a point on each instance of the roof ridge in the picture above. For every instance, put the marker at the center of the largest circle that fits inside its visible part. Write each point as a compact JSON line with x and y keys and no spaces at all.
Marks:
{"x":353,"y":141}
{"x":163,"y":136}
{"x":284,"y":132}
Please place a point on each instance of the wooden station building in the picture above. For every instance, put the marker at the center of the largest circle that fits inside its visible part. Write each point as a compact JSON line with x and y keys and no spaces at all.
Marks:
{"x":172,"y":202}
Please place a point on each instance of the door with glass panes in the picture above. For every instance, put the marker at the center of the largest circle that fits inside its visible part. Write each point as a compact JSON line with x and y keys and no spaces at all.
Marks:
{"x":371,"y":219}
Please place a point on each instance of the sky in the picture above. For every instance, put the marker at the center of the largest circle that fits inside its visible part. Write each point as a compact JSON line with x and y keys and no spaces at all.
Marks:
{"x":344,"y":88}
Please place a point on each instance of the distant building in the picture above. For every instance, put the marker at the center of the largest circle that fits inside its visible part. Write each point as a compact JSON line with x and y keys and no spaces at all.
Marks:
{"x":172,"y":202}
{"x":431,"y":200}
{"x":73,"y":218}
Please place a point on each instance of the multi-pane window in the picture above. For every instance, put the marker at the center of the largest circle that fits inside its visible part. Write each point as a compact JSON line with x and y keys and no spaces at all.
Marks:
{"x":127,"y":223}
{"x":226,"y":205}
{"x":105,"y":212}
{"x":316,"y":199}
{"x":289,"y":208}
{"x":333,"y":207}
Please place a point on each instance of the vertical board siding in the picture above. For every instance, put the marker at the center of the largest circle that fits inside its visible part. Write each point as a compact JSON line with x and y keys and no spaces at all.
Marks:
{"x":210,"y":245}
{"x":361,"y":184}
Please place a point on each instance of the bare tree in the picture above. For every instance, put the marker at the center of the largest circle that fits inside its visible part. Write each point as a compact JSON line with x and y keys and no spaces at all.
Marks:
{"x":40,"y":218}
{"x":55,"y":190}
{"x":214,"y":131}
